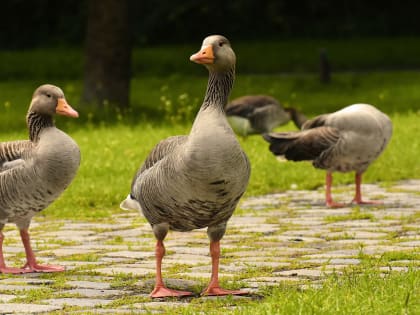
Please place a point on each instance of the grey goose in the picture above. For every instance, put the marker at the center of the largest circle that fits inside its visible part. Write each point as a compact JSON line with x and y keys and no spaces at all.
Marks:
{"x":344,"y":141}
{"x":195,"y":181}
{"x":257,"y":114}
{"x":34,"y":172}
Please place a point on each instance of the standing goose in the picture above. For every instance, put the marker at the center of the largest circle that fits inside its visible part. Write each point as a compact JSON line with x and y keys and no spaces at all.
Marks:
{"x":256,"y":114}
{"x":344,"y":141}
{"x":34,"y":173}
{"x":195,"y":181}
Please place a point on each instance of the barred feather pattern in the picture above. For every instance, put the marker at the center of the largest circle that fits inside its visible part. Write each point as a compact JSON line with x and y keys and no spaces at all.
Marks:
{"x":218,"y":88}
{"x":13,"y":150}
{"x":36,"y":123}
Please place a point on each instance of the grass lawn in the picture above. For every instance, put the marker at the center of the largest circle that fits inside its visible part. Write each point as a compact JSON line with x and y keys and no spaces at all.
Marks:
{"x":365,"y":292}
{"x":114,"y":144}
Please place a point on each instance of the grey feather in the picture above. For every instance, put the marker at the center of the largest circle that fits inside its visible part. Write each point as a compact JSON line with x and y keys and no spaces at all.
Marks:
{"x":34,"y":173}
{"x":347,"y":140}
{"x":254,"y":114}
{"x":195,"y":181}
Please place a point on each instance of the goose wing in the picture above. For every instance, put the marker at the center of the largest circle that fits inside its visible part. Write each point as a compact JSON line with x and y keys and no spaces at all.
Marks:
{"x":12,"y":153}
{"x":246,"y":106}
{"x":303,"y":145}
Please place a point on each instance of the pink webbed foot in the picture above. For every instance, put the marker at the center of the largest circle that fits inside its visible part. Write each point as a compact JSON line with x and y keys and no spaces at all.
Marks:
{"x":14,"y":271}
{"x":160,"y":292}
{"x":43,"y":268}
{"x":333,"y":204}
{"x":218,"y":291}
{"x":367,"y":202}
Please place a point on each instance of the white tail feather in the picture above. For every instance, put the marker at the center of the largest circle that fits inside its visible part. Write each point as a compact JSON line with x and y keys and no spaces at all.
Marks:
{"x":130,"y":204}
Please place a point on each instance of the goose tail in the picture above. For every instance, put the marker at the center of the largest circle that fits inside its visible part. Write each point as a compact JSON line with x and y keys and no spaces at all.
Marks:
{"x":130,"y":203}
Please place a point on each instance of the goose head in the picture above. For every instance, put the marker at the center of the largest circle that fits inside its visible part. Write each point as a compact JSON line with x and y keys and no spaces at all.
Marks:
{"x":216,"y":54}
{"x":49,"y":100}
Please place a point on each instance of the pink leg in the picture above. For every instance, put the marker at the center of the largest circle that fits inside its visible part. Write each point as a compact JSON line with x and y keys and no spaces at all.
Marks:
{"x":214,"y":288}
{"x":328,"y":198}
{"x":358,"y":196}
{"x":31,"y":264}
{"x":3,"y":267}
{"x":160,"y":289}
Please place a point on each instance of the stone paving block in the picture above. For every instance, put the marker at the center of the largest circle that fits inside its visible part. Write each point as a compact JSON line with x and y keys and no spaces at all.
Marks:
{"x":269,"y":281}
{"x":6,"y":298}
{"x":366,"y":234}
{"x":131,"y":254}
{"x":113,"y":270}
{"x":355,"y":224}
{"x":309,"y":273}
{"x":355,"y":242}
{"x":303,"y":221}
{"x":94,"y":293}
{"x":89,"y":284}
{"x":323,"y":246}
{"x":335,"y":261}
{"x":245,"y":220}
{"x":415,"y":244}
{"x":341,"y":253}
{"x":68,"y":251}
{"x":154,"y":306}
{"x":186,"y":259}
{"x":12,"y":250}
{"x":260,"y":228}
{"x":203,"y":275}
{"x":76,"y":302}
{"x":99,"y":311}
{"x":123,"y":233}
{"x":27,"y":308}
{"x":380,"y":249}
{"x":272,"y":264}
{"x":18,"y":287}
{"x":201,"y":250}
{"x":27,"y":279}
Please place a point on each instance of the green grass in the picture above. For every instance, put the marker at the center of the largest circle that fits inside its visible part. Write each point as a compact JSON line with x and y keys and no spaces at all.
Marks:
{"x":114,"y":144}
{"x":354,"y":215}
{"x":366,"y":293}
{"x":363,"y":290}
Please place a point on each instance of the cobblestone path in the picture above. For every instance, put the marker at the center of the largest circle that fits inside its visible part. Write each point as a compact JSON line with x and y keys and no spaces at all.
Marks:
{"x":289,"y":236}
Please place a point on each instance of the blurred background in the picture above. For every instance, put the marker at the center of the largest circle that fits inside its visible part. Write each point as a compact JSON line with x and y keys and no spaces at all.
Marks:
{"x":132,"y":56}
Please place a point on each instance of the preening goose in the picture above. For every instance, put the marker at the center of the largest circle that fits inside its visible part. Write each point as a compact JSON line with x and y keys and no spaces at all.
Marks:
{"x":344,"y":141}
{"x":195,"y":181}
{"x":34,"y":172}
{"x":256,"y":114}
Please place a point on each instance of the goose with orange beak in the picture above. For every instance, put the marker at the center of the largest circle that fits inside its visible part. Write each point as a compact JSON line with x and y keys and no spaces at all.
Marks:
{"x":195,"y":181}
{"x":34,"y":172}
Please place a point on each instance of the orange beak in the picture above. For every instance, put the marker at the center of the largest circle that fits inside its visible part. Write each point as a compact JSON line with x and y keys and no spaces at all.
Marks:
{"x":204,"y":56}
{"x":65,"y":109}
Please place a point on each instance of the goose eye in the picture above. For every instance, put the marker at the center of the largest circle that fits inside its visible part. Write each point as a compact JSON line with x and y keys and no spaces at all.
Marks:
{"x":48,"y":95}
{"x":221,"y":44}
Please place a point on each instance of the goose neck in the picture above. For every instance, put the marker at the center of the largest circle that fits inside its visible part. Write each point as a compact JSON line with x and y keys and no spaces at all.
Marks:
{"x":36,"y":122}
{"x":218,"y":88}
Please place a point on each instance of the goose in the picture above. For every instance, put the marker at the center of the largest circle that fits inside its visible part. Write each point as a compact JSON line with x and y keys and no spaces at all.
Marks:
{"x":344,"y":141}
{"x":34,"y":172}
{"x":257,"y":114}
{"x":195,"y":181}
